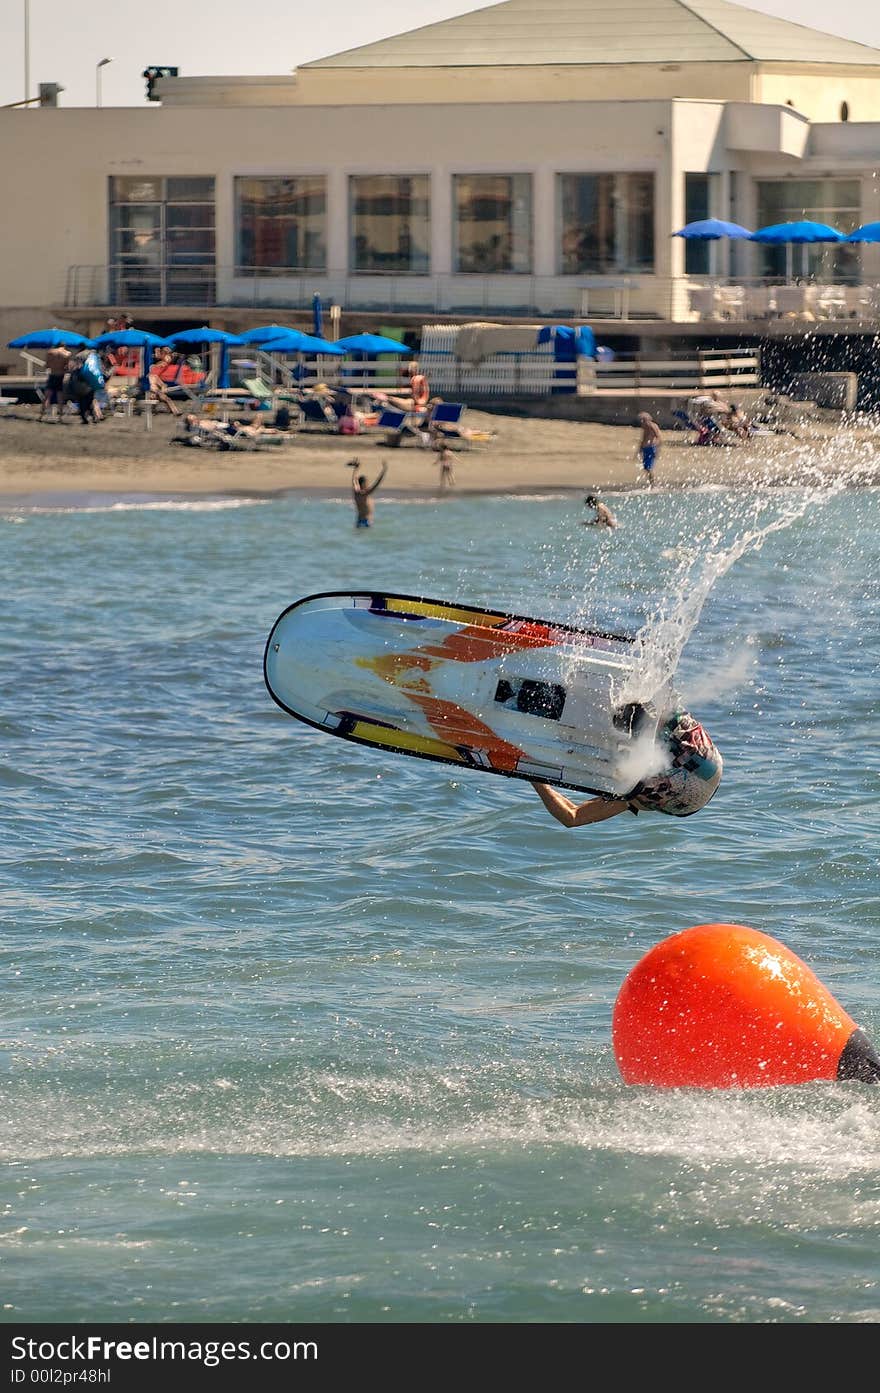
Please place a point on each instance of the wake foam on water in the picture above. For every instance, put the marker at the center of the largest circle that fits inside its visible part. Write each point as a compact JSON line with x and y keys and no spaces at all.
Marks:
{"x":828,"y":1130}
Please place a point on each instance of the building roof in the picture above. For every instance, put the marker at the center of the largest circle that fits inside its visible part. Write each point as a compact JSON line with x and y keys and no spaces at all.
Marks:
{"x":562,"y":32}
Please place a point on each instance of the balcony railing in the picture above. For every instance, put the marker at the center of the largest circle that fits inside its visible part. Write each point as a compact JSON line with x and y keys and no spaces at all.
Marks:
{"x":625,"y":298}
{"x":234,"y":287}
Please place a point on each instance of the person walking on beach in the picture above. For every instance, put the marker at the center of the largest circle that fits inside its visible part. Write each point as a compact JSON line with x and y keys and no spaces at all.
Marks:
{"x":649,"y":444}
{"x":83,"y":382}
{"x":362,"y":493}
{"x":446,"y":461}
{"x":604,"y":516}
{"x":690,"y":778}
{"x":57,"y":363}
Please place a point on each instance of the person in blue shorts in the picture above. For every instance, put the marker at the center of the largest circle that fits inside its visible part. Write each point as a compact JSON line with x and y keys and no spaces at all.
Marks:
{"x":362,"y":492}
{"x":649,"y":444}
{"x":690,"y":778}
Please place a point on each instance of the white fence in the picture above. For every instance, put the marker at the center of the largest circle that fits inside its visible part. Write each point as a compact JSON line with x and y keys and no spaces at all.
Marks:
{"x":538,"y":374}
{"x":710,"y":368}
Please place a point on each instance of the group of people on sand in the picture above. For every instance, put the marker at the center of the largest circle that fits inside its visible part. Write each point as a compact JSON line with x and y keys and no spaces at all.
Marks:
{"x":74,"y":378}
{"x":210,"y":430}
{"x":716,"y":420}
{"x":83,"y":379}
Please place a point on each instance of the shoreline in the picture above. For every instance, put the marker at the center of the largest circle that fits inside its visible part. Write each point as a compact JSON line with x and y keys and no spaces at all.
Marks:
{"x":81,"y":500}
{"x":67,"y":465}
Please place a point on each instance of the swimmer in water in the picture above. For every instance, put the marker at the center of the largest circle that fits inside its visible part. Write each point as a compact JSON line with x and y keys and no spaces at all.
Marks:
{"x":682,"y":788}
{"x":604,"y":516}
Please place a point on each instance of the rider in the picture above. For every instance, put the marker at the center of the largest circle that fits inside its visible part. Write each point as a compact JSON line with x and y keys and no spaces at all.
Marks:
{"x":684,"y":786}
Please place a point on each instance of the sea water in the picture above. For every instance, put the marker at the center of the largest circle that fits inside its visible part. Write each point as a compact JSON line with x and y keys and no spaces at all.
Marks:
{"x":294,"y":1032}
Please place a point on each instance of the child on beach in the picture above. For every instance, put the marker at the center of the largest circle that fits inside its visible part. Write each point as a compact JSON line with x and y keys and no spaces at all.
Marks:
{"x":446,"y":461}
{"x":649,"y":444}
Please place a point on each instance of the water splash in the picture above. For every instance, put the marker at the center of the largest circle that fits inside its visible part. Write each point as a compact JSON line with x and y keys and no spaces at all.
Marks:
{"x":746,"y":524}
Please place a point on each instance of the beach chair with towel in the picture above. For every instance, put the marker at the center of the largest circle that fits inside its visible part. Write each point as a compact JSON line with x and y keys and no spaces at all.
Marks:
{"x":316,"y":412}
{"x":445,"y":417}
{"x":398,"y":426}
{"x":241,"y":436}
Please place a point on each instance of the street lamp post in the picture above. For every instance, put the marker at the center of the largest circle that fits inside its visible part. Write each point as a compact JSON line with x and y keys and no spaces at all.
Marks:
{"x":102,"y":63}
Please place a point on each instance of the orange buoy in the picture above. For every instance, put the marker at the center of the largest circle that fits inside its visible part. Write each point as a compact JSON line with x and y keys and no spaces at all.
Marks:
{"x":724,"y":1006}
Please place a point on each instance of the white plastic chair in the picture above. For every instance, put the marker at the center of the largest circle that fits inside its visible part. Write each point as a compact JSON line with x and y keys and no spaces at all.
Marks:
{"x":702,"y":298}
{"x":795,"y":299}
{"x":759,"y":301}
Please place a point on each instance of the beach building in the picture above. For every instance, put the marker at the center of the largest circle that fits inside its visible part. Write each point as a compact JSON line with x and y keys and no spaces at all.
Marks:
{"x":530,"y":160}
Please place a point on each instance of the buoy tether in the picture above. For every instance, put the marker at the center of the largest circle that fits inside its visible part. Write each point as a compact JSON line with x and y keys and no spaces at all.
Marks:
{"x":724,"y":1006}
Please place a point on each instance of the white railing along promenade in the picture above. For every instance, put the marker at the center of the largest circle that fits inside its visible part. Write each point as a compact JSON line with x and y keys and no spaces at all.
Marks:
{"x":277,"y":288}
{"x":685,"y":299}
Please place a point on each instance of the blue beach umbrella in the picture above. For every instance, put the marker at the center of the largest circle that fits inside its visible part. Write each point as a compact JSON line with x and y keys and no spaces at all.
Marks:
{"x":711,"y":229}
{"x":868,"y":232}
{"x":51,"y":338}
{"x":187,"y":338}
{"x":134,"y":338}
{"x":796,"y":232}
{"x":292,"y":341}
{"x":317,"y":315}
{"x":130,"y":338}
{"x":791,"y":234}
{"x":303,"y":345}
{"x":266,"y":331}
{"x":364,"y":346}
{"x":371,"y":345}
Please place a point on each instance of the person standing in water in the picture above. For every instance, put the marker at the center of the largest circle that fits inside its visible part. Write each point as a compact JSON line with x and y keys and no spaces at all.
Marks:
{"x":649,"y":445}
{"x":604,"y":516}
{"x":362,"y":493}
{"x":690,"y":778}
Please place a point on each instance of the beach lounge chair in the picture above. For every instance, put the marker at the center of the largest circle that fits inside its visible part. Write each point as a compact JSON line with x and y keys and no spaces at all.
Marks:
{"x":239,"y":436}
{"x":398,"y":426}
{"x":445,"y":417}
{"x":318,"y":413}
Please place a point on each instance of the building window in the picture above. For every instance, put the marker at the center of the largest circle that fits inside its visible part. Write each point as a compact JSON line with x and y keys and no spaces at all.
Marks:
{"x":162,"y":240}
{"x":606,"y":223}
{"x":492,"y":230}
{"x":281,"y":224}
{"x":837,"y":202}
{"x":697,"y":206}
{"x":390,"y":223}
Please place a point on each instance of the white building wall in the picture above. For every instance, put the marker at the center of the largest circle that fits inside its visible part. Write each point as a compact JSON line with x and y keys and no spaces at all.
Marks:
{"x":59,"y":161}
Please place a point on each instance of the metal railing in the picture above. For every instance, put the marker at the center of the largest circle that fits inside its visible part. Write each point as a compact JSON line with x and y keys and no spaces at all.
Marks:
{"x":740,"y":299}
{"x":511,"y":295}
{"x":635,"y":298}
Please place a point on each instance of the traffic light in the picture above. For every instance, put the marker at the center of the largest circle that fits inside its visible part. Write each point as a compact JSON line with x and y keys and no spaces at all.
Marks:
{"x":152,"y":75}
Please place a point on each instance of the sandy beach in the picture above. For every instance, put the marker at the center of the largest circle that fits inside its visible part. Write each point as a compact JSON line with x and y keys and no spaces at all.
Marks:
{"x":119,"y":456}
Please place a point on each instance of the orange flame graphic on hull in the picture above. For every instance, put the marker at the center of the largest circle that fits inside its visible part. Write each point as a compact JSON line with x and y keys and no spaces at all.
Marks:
{"x":449,"y":720}
{"x":474,"y":644}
